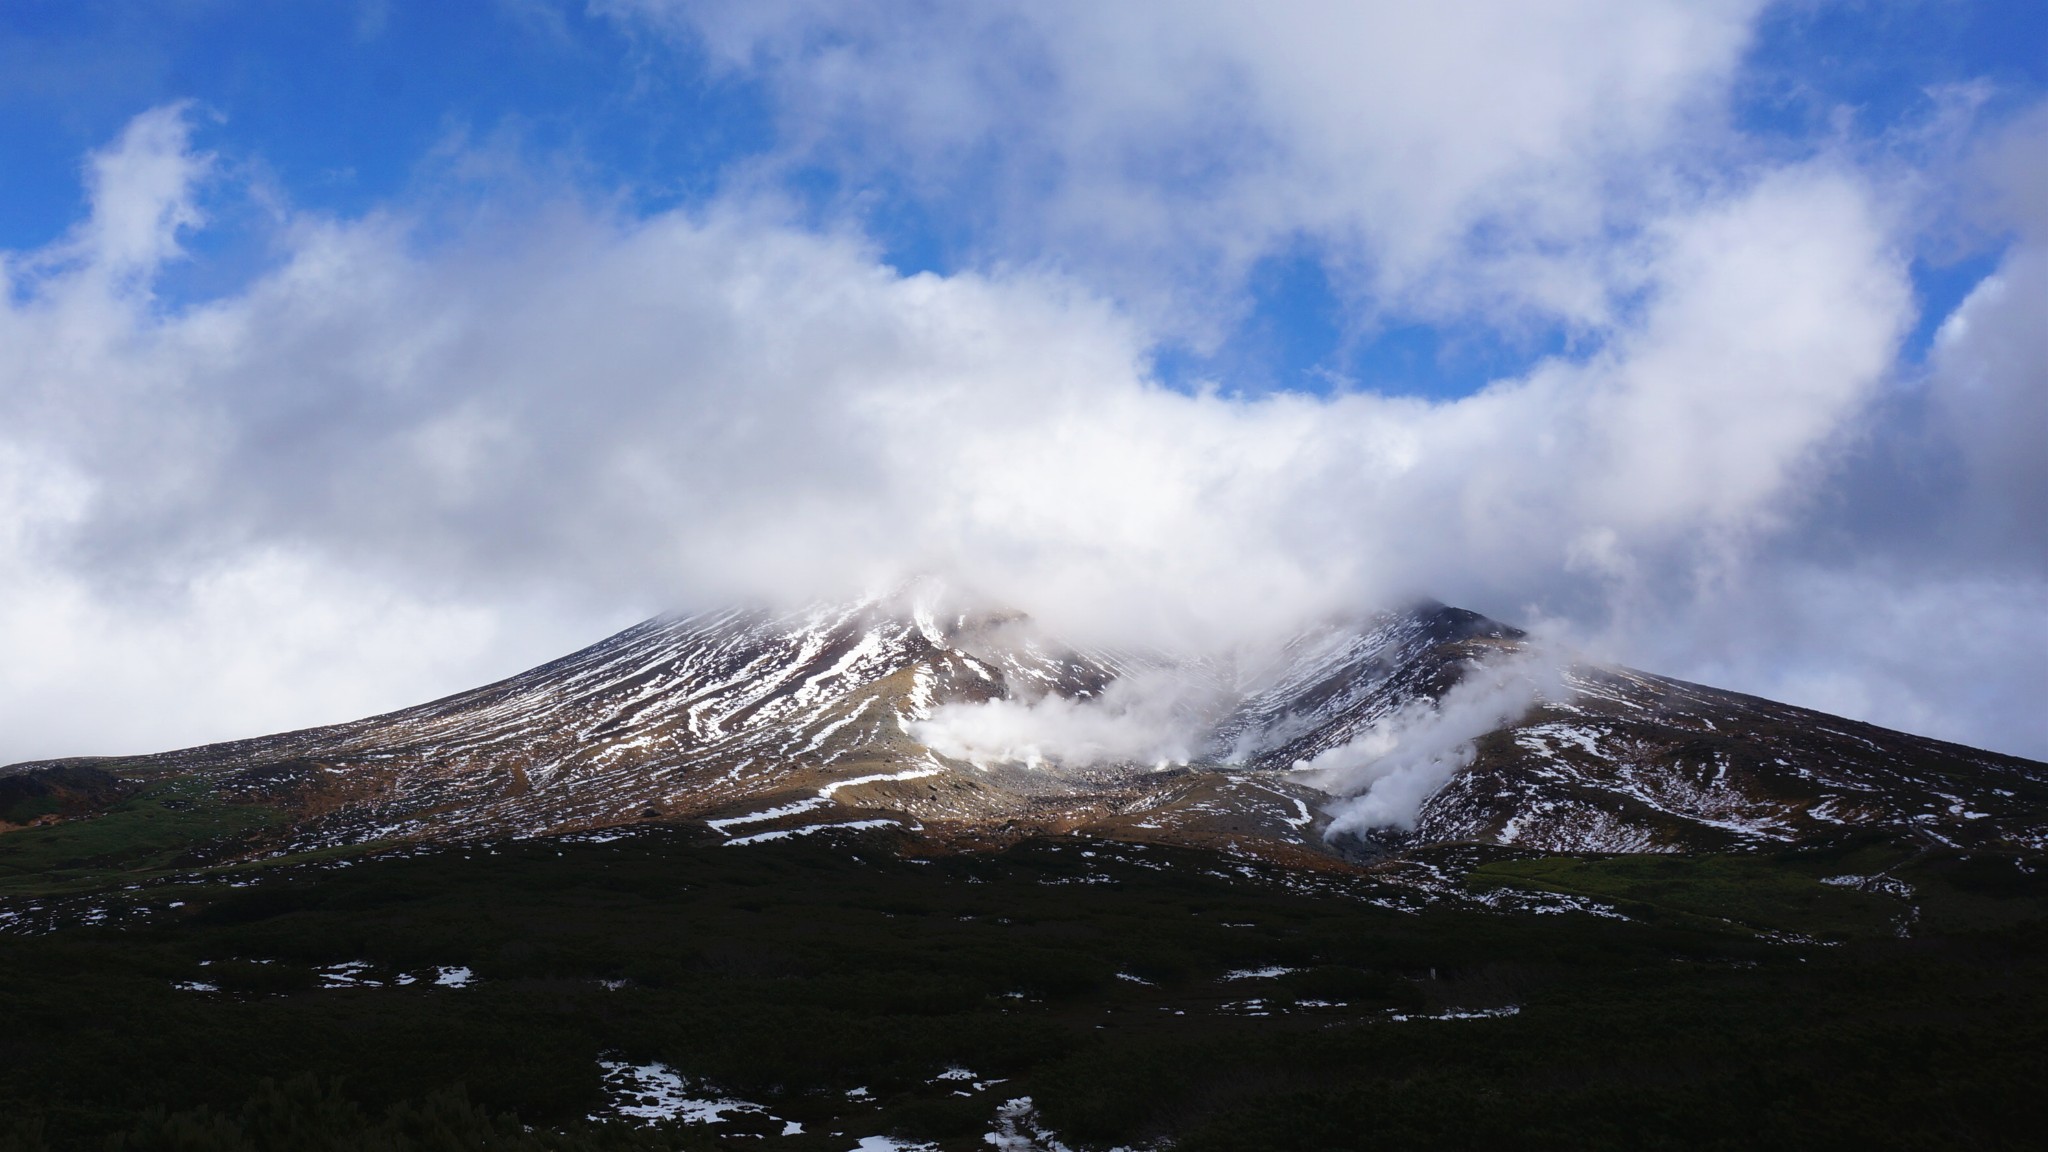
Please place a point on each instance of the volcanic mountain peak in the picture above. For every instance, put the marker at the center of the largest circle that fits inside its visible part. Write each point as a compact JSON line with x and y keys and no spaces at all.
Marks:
{"x":1425,"y":725}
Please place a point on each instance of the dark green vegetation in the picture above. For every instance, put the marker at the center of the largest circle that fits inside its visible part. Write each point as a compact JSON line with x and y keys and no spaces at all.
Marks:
{"x":155,"y":833}
{"x":59,"y":790}
{"x":1745,"y":1004}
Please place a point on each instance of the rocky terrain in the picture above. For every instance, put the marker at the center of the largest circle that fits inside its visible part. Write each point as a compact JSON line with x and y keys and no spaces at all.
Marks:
{"x":765,"y":725}
{"x":869,"y":875}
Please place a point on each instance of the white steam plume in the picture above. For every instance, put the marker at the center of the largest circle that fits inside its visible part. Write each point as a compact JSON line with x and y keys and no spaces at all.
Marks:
{"x":1145,"y":717}
{"x":1382,"y":778}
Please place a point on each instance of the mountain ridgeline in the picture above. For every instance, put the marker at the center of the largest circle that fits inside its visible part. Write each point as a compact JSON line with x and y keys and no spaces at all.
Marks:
{"x":865,"y":874}
{"x":758,"y":726}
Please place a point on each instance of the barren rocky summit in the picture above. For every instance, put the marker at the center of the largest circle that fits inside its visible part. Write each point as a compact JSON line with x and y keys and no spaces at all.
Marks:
{"x":764,"y":725}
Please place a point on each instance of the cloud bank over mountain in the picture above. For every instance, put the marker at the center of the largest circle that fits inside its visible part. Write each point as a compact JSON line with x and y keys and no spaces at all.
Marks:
{"x":408,"y":454}
{"x":1478,"y":154}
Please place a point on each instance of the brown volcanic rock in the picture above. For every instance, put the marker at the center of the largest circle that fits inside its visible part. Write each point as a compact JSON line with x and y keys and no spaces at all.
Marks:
{"x":766,"y":725}
{"x":1635,"y":762}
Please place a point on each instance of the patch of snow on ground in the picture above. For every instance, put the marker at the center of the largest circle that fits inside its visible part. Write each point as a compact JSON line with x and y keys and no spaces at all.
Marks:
{"x":1885,"y":884}
{"x":1457,"y":1014}
{"x":454,"y":977}
{"x":604,"y":837}
{"x":917,"y":773}
{"x":806,"y":830}
{"x":1018,"y":1129}
{"x":651,"y":1092}
{"x":826,"y":732}
{"x":801,"y":806}
{"x":1536,"y":738}
{"x":1267,"y":973}
{"x":348,"y":974}
{"x":1524,"y":900}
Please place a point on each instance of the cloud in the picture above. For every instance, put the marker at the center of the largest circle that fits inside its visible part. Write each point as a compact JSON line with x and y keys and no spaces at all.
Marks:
{"x":1477,"y":155}
{"x":699,"y":406}
{"x":142,"y":191}
{"x":1945,"y":649}
{"x":1989,"y":383}
{"x":561,"y":404}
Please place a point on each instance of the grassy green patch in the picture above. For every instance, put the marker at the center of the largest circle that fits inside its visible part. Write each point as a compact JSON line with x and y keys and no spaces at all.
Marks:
{"x":168,"y":826}
{"x":1977,"y":891}
{"x":1755,"y":891}
{"x":25,"y":811}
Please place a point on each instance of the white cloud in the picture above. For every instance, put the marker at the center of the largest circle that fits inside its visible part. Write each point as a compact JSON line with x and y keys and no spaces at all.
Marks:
{"x":142,"y":194}
{"x":1989,"y":391}
{"x":1930,"y":648}
{"x":262,"y":642}
{"x":380,"y":455}
{"x":1476,"y":154}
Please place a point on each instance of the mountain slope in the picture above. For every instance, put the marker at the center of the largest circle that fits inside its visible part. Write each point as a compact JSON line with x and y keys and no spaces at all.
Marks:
{"x":765,"y":725}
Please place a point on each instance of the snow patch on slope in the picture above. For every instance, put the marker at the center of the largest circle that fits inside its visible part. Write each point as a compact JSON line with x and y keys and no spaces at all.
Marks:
{"x":655,"y":1092}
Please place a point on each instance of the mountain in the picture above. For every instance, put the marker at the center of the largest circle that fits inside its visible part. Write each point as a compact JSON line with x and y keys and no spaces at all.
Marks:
{"x":765,"y":725}
{"x":1408,"y":879}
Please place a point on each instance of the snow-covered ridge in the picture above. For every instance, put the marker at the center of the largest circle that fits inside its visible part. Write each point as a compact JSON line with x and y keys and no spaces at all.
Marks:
{"x":762,"y":724}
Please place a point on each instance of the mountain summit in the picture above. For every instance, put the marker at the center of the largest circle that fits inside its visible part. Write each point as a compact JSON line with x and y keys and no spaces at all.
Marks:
{"x":1392,"y":730}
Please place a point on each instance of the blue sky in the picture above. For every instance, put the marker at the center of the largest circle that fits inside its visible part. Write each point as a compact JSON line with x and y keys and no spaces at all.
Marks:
{"x":358,"y":351}
{"x":345,"y":106}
